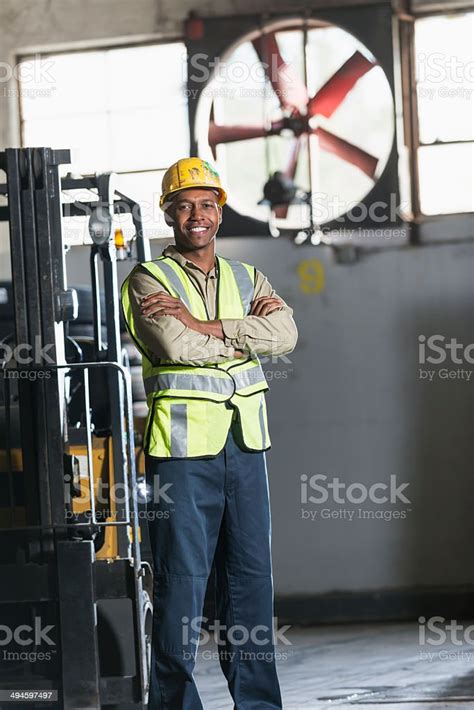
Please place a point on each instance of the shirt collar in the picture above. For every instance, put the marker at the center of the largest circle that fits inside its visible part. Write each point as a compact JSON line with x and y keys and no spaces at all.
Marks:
{"x":172,"y":252}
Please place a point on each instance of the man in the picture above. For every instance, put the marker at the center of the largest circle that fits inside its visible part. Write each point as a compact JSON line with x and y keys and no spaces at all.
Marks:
{"x":200,"y":322}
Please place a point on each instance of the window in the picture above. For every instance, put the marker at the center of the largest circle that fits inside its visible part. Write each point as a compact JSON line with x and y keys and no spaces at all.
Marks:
{"x":121,"y":110}
{"x":444,"y":77}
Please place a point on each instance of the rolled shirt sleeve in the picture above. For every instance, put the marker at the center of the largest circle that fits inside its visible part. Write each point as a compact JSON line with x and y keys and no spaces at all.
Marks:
{"x":274,"y":334}
{"x":166,"y":336}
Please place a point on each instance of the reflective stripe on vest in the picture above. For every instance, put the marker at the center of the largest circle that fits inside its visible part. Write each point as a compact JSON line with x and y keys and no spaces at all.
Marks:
{"x":168,"y":274}
{"x":218,"y":384}
{"x":244,"y":283}
{"x":179,"y":430}
{"x":174,"y":280}
{"x":261,"y":421}
{"x":173,"y":382}
{"x":247,"y":378}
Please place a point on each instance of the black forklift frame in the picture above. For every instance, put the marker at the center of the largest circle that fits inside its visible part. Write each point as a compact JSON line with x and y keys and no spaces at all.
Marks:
{"x":57,"y":562}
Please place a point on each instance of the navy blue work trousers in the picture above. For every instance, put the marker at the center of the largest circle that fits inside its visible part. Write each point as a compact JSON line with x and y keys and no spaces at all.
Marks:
{"x":205,"y":509}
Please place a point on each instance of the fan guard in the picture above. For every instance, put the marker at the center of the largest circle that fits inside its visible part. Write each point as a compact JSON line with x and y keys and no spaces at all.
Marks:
{"x":303,"y":98}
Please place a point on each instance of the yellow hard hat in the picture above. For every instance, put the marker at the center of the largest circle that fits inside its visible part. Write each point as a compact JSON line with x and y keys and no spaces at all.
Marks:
{"x":190,"y":172}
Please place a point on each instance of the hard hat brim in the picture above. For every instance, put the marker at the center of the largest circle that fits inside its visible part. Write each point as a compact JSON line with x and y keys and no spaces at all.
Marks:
{"x":166,"y":202}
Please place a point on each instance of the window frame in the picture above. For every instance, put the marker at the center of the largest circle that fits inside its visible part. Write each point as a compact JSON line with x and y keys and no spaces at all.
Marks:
{"x":410,"y":109}
{"x":96,"y":47}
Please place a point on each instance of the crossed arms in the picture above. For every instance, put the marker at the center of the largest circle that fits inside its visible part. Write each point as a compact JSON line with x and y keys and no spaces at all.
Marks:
{"x":171,"y":332}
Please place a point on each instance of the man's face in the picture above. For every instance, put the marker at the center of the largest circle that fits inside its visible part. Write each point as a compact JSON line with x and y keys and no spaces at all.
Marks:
{"x":196,"y":217}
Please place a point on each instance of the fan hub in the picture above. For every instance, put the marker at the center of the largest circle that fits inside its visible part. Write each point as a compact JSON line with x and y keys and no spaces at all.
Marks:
{"x":296,"y":123}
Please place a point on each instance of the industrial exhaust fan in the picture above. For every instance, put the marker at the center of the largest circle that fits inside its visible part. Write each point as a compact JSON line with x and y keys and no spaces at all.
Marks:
{"x":297,"y":114}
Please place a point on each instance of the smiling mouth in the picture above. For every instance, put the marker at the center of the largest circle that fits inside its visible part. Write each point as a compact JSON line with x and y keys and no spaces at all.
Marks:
{"x":198,"y":230}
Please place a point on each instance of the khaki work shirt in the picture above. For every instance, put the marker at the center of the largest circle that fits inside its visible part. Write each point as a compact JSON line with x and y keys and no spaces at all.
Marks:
{"x":168,"y":338}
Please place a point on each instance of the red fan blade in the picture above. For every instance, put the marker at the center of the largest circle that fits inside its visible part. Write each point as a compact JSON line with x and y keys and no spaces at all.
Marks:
{"x":289,"y":88}
{"x":281,"y":211}
{"x":230,"y":134}
{"x":334,"y":91}
{"x":347,"y":151}
{"x":290,"y":170}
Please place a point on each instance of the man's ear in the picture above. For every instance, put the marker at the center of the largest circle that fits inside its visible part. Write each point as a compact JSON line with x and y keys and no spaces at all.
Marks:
{"x":220,"y":215}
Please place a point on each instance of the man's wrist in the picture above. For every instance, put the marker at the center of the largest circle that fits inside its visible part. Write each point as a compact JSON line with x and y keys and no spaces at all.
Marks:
{"x":209,"y":327}
{"x":214,"y":328}
{"x":198,"y":326}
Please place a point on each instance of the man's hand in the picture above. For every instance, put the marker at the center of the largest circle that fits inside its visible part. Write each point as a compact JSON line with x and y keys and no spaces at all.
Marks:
{"x":264,"y":305}
{"x":163,"y":304}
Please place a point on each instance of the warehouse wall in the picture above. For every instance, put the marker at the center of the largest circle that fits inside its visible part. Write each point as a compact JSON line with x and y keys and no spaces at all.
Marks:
{"x":348,"y":403}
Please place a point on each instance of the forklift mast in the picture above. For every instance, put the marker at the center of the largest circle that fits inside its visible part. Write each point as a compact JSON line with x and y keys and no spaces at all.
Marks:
{"x":70,"y":557}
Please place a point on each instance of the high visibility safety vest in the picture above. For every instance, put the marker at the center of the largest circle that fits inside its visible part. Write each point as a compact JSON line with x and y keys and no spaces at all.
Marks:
{"x":191,"y":407}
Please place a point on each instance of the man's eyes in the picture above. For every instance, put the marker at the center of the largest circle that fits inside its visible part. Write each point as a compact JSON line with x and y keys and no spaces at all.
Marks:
{"x":206,"y":205}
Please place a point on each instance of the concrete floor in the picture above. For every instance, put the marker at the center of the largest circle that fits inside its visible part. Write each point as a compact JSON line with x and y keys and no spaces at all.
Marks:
{"x":347,"y":666}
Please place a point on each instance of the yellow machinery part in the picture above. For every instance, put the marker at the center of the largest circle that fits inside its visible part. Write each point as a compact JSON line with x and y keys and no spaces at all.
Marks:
{"x":104,"y":484}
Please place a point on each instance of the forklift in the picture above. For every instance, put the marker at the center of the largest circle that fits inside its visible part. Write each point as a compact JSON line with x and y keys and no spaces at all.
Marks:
{"x":75,"y":571}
